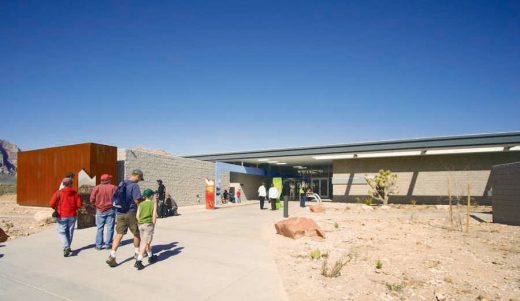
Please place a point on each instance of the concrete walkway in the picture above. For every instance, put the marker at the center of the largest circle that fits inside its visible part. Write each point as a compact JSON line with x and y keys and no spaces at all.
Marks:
{"x":203,"y":255}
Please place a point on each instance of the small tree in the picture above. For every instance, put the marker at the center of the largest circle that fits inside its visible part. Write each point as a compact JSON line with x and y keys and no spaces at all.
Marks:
{"x":382,"y":185}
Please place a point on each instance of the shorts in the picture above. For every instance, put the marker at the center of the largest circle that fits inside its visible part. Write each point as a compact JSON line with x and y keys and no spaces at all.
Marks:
{"x":146,"y":232}
{"x":127,"y":221}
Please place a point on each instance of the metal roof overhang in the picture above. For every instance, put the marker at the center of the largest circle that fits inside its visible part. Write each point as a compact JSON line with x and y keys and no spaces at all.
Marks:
{"x":480,"y":140}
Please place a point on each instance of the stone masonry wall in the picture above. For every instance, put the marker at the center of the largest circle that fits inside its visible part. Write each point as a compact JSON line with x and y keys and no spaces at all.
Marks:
{"x":506,"y":193}
{"x":183,"y":178}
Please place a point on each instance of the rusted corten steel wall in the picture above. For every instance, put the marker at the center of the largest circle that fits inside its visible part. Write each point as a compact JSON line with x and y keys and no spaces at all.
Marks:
{"x":41,"y":171}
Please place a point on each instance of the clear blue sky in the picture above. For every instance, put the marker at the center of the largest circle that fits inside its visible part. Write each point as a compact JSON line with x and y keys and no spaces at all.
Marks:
{"x":209,"y":76}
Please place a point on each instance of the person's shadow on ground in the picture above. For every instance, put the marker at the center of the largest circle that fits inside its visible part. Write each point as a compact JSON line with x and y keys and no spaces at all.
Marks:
{"x":163,"y":252}
{"x":166,"y":251}
{"x":2,"y":255}
{"x":91,"y":246}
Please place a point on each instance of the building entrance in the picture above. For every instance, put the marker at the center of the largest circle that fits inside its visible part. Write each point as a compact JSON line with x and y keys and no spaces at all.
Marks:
{"x":321,"y":186}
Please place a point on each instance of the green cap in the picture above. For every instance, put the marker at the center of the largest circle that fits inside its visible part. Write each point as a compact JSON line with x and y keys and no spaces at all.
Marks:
{"x":148,"y":193}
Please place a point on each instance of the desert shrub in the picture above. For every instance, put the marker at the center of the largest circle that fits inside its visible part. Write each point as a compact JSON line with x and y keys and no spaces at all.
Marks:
{"x":315,"y":254}
{"x":413,"y":202}
{"x":395,"y":287}
{"x":379,"y":264}
{"x":335,"y":271}
{"x":368,"y":201}
{"x":382,"y":185}
{"x":336,"y":225}
{"x":7,"y":189}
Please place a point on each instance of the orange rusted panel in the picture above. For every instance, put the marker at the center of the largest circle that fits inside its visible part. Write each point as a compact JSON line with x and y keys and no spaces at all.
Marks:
{"x":41,"y":171}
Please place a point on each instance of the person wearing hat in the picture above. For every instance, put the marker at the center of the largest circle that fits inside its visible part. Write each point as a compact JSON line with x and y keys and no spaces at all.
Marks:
{"x":69,"y":175}
{"x":161,"y":197}
{"x":66,"y":202}
{"x":146,"y":218}
{"x":101,"y":199}
{"x":126,"y":214}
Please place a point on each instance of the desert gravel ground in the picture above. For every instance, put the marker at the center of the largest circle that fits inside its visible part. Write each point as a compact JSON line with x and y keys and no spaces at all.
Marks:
{"x":422,"y":257}
{"x":19,"y":221}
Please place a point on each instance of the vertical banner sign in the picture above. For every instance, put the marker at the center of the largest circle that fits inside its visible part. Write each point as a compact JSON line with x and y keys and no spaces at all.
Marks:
{"x":210,"y":194}
{"x":277,"y":182}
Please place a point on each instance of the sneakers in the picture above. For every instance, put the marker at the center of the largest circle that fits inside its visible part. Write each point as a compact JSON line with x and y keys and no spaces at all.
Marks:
{"x":139,"y":265}
{"x":66,"y":252}
{"x":152,"y":259}
{"x":111,"y":261}
{"x":99,"y":248}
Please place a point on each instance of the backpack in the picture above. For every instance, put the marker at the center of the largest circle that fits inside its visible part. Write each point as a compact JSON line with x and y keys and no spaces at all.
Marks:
{"x":119,"y":197}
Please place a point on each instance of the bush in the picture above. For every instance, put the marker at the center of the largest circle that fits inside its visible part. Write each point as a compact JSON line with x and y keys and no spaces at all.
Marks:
{"x":315,"y":254}
{"x":382,"y":185}
{"x":368,"y":201}
{"x":7,"y":189}
{"x":336,"y":268}
{"x":379,"y":264}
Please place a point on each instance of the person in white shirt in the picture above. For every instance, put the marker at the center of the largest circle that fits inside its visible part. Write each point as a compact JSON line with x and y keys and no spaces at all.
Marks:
{"x":273,"y":196}
{"x":261,"y":195}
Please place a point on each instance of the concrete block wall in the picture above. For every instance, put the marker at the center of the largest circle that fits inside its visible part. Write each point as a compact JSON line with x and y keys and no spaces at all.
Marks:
{"x":423,"y":178}
{"x":183,"y":178}
{"x":506,"y":193}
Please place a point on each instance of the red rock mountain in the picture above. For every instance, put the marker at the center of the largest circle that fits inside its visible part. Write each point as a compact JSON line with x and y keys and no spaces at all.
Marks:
{"x":8,"y":161}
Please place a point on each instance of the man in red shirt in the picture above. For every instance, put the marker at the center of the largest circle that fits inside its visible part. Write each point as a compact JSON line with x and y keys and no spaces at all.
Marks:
{"x":101,"y":198}
{"x":66,"y":202}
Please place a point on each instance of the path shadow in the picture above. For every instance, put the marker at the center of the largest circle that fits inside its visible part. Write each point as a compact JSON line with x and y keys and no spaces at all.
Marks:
{"x":158,"y":248}
{"x":166,"y":251}
{"x":77,"y":251}
{"x":163,"y":252}
{"x":126,"y":242}
{"x":91,"y":246}
{"x":125,"y":261}
{"x":169,"y":253}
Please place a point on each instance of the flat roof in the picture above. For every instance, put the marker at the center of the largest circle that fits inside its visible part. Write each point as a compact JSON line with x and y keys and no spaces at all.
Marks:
{"x":506,"y":140}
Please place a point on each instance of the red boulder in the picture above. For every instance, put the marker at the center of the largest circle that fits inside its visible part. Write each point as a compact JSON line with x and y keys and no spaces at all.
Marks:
{"x":317,"y":208}
{"x":296,"y":227}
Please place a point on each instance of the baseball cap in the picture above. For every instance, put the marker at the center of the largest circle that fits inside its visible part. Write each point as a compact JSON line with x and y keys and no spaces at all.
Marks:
{"x":139,"y":173}
{"x":148,"y":193}
{"x":106,"y":177}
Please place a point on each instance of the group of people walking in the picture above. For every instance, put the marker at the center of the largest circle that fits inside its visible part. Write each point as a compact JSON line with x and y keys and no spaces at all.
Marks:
{"x":121,"y":207}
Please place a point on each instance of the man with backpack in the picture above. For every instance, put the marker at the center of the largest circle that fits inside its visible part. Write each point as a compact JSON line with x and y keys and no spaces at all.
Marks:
{"x":125,"y":201}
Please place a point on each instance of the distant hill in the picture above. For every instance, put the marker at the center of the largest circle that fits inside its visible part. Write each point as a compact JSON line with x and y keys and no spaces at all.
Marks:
{"x":8,"y":162}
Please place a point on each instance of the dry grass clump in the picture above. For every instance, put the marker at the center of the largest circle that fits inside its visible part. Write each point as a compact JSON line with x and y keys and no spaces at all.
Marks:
{"x":335,"y":271}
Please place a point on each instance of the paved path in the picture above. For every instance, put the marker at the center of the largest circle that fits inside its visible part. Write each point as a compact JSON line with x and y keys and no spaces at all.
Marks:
{"x":203,"y":255}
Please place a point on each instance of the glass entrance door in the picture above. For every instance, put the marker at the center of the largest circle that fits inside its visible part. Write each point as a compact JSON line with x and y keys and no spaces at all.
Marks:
{"x":321,"y":186}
